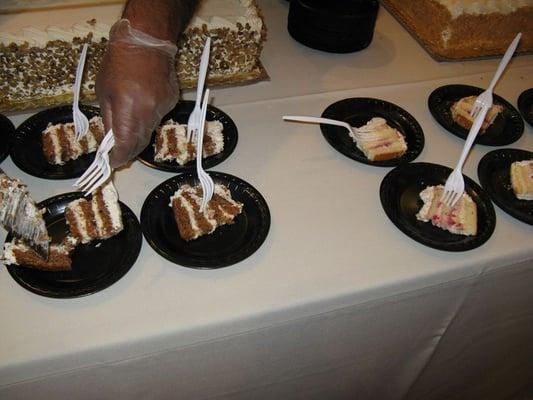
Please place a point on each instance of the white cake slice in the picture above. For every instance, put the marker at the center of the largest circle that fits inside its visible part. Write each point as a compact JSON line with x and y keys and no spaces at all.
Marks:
{"x":460,"y":219}
{"x":522,"y":179}
{"x":380,"y":141}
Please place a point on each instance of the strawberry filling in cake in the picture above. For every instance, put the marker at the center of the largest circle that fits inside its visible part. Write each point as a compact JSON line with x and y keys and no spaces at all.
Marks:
{"x":460,"y":219}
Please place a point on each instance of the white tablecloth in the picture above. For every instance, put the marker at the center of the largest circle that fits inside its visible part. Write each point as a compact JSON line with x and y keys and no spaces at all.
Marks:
{"x":337,"y":303}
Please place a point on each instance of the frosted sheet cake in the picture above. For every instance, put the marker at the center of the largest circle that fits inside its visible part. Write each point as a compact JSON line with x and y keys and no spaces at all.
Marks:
{"x":38,"y":60}
{"x":464,"y":29}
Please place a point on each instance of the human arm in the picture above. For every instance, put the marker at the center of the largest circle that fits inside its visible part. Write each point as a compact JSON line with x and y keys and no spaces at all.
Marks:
{"x":136,"y":84}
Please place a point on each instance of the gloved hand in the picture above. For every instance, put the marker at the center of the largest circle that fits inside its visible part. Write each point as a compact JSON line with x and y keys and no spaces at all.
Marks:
{"x":135,"y":86}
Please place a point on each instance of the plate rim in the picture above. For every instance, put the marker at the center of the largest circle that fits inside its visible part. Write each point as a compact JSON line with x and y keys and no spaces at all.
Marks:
{"x":522,"y":99}
{"x":481,"y":173}
{"x":20,"y":134}
{"x":190,"y":166}
{"x":209,"y":265}
{"x":455,"y":247}
{"x":7,"y":125}
{"x":12,"y":269}
{"x":412,"y":152}
{"x":454,"y":129}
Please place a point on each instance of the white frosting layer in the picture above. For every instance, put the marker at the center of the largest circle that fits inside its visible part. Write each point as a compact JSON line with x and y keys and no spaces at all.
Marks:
{"x":110,"y":195}
{"x":39,"y":38}
{"x":8,"y":257}
{"x":226,"y":14}
{"x":476,"y":7}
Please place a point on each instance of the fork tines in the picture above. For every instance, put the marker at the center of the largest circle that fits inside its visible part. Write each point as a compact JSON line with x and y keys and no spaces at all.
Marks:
{"x":100,"y":170}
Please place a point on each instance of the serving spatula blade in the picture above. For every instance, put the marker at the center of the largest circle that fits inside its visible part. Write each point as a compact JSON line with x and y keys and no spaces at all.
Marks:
{"x":20,"y":215}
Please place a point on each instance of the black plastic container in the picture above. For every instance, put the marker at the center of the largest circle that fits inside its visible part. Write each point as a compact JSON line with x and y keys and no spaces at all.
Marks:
{"x":336,"y":26}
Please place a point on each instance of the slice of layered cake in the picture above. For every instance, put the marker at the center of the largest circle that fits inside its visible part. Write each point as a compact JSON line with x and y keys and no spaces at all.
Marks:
{"x":379,"y":141}
{"x":522,"y":179}
{"x":460,"y":219}
{"x":192,"y":223}
{"x":97,"y":218}
{"x":171,"y":142}
{"x":60,"y":144}
{"x":17,"y":252}
{"x":461,"y":113}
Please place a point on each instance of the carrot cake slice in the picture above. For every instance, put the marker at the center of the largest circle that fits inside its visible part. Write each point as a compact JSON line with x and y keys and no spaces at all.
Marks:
{"x":97,"y":218}
{"x":60,"y":144}
{"x":18,"y":252}
{"x":192,"y":223}
{"x":171,"y":142}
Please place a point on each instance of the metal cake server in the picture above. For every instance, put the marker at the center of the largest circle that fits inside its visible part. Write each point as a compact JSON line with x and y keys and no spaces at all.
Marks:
{"x":16,"y":211}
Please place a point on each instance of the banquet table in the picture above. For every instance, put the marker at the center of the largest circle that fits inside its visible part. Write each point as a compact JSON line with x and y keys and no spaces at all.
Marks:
{"x":337,"y":303}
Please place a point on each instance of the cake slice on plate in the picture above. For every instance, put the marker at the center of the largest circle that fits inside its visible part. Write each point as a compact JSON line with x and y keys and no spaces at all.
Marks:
{"x":522,"y":179}
{"x":381,"y":141}
{"x":461,"y":113}
{"x":192,"y":223}
{"x":97,"y":218}
{"x":17,"y":252}
{"x":171,"y":142}
{"x":460,"y":219}
{"x":60,"y":144}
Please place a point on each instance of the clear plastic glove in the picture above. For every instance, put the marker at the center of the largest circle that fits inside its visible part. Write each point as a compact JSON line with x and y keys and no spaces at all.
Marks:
{"x":135,"y":86}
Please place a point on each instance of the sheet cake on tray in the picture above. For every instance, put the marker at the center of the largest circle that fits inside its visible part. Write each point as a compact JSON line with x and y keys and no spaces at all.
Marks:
{"x":454,"y":30}
{"x":38,"y":61}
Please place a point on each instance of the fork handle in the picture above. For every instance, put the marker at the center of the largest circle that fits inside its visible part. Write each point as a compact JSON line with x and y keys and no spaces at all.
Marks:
{"x":472,"y":134}
{"x":505,"y":60}
{"x":79,"y":75}
{"x":317,"y":120}
{"x":204,"y":62}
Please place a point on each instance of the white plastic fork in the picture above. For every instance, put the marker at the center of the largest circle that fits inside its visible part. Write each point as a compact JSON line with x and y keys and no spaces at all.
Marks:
{"x":455,"y":184}
{"x":81,"y":123}
{"x":485,"y":98}
{"x":193,"y":123}
{"x":360,"y":134}
{"x":100,"y":170}
{"x":208,"y":186}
